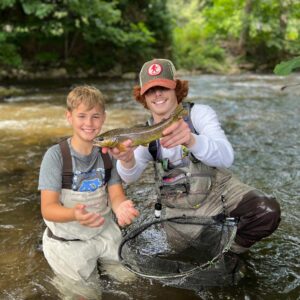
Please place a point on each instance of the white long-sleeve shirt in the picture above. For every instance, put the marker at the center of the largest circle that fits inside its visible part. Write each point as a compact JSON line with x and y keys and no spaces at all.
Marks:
{"x":211,"y":146}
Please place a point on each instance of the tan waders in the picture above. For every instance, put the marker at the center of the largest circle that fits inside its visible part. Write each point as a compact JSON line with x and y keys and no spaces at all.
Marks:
{"x":72,"y":249}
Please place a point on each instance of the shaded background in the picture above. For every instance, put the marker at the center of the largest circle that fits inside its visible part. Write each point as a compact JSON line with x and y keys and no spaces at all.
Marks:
{"x":76,"y":38}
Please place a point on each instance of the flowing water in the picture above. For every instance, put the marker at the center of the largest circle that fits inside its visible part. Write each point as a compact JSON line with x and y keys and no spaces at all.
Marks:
{"x":261,"y":121}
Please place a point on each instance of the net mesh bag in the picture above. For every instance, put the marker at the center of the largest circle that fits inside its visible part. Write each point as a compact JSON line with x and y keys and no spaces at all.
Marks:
{"x":186,"y":252}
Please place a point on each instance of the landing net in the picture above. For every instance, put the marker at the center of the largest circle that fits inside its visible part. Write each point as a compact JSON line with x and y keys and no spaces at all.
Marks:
{"x":185,"y":251}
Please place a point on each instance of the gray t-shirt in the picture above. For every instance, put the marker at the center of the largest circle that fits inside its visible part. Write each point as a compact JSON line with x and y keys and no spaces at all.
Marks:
{"x":88,"y":170}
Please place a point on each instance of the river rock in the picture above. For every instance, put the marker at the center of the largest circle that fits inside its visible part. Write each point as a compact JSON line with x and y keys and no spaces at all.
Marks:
{"x":129,"y":75}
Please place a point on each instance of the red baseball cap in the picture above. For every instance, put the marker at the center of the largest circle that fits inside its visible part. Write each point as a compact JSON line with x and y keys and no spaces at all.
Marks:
{"x":157,"y":72}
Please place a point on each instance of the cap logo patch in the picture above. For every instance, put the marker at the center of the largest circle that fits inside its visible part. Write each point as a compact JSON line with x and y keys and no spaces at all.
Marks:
{"x":155,"y":69}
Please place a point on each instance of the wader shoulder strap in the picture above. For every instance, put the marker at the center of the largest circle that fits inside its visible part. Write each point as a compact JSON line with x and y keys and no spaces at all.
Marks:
{"x":107,"y":165}
{"x":188,"y":106}
{"x":152,"y":148}
{"x":154,"y":145}
{"x":67,"y":174}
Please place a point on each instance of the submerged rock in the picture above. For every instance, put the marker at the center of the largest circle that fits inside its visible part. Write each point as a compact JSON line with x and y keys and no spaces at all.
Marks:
{"x":9,"y":91}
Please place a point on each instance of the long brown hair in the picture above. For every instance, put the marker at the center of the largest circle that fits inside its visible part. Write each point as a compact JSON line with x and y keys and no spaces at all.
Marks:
{"x":181,"y":90}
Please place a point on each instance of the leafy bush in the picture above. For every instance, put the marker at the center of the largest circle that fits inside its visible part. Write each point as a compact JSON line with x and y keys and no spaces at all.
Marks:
{"x":193,"y":51}
{"x":46,"y":58}
{"x":286,"y":67}
{"x":9,"y":56}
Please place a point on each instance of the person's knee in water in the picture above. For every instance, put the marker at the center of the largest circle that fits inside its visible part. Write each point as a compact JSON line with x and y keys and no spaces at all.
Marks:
{"x":259,"y":216}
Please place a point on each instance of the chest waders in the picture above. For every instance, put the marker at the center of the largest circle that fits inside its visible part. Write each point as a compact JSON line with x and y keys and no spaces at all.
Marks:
{"x":190,"y":189}
{"x":186,"y":185}
{"x":95,"y":201}
{"x":71,"y":248}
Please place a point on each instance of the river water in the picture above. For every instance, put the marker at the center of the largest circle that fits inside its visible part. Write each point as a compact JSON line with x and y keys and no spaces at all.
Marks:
{"x":262,"y":123}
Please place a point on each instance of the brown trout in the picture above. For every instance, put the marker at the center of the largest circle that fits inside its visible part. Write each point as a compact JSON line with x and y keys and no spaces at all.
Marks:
{"x":139,"y":135}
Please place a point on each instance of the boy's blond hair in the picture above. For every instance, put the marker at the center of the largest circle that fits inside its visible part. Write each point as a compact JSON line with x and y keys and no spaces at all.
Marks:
{"x":88,"y":95}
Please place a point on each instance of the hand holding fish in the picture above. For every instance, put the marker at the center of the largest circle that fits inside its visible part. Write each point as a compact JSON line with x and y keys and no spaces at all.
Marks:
{"x":126,"y":155}
{"x":179,"y":133}
{"x":85,"y":218}
{"x":126,"y":212}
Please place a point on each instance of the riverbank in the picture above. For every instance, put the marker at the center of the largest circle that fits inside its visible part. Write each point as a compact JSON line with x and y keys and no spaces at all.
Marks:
{"x":59,"y":73}
{"x":30,"y":73}
{"x":9,"y":76}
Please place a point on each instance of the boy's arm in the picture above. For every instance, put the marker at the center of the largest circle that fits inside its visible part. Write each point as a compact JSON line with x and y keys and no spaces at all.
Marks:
{"x":53,"y":211}
{"x":121,"y":206}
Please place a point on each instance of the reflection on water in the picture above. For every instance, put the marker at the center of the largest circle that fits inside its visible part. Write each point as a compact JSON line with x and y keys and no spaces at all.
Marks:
{"x":261,"y":122}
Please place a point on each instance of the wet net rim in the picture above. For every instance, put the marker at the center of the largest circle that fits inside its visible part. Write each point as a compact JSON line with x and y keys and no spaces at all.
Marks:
{"x":215,"y":220}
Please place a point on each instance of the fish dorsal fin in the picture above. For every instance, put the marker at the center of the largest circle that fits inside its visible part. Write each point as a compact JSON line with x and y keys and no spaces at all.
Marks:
{"x":140,"y":126}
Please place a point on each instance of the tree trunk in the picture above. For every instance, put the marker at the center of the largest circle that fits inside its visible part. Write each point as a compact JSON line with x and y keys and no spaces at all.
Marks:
{"x":66,"y":46}
{"x":244,"y":36}
{"x":283,"y":17}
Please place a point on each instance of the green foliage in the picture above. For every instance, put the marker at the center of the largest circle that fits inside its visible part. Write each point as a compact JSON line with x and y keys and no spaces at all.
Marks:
{"x":150,"y":23}
{"x":103,"y":34}
{"x":46,"y":58}
{"x":249,"y":30}
{"x":286,"y":67}
{"x":196,"y":52}
{"x":6,"y":3}
{"x":195,"y":46}
{"x":84,"y":32}
{"x":9,"y":55}
{"x":38,"y":9}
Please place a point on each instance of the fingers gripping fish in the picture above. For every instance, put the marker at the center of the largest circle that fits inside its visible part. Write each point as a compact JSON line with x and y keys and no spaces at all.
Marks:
{"x":139,"y":135}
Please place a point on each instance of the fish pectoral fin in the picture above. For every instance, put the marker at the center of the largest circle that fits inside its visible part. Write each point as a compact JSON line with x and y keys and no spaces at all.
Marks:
{"x":121,"y":147}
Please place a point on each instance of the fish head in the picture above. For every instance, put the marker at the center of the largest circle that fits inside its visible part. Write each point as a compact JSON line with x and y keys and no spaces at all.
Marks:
{"x":109,"y":142}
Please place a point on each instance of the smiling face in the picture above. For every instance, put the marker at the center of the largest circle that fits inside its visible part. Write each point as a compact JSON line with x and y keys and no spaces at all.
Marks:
{"x":161,"y":102}
{"x":86,"y":123}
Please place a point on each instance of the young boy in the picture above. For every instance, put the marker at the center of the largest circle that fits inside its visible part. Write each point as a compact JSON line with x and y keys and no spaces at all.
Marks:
{"x":79,"y":188}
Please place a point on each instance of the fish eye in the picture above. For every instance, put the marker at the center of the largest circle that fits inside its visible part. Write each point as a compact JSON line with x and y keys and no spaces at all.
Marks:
{"x":100,"y":139}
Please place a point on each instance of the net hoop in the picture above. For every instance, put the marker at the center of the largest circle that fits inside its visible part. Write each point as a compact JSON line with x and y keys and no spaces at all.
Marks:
{"x":217,"y":220}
